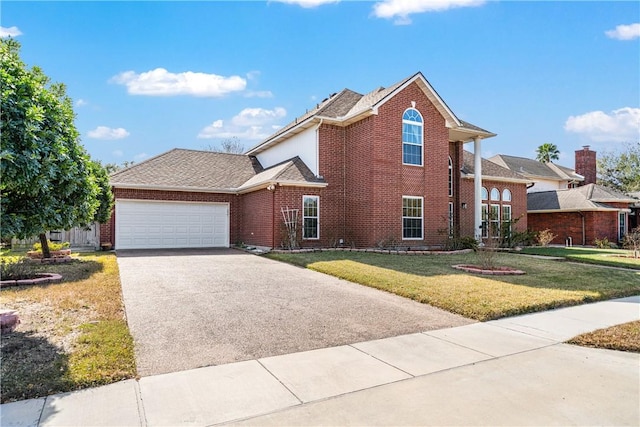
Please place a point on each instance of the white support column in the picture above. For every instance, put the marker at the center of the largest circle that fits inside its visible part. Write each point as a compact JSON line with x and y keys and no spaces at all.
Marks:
{"x":477,"y":180}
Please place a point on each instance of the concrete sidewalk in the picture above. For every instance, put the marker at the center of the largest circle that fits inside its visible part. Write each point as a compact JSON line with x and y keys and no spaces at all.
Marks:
{"x":513,"y":371}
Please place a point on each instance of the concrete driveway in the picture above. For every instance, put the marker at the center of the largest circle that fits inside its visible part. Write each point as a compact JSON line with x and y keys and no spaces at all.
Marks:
{"x":193,"y":308}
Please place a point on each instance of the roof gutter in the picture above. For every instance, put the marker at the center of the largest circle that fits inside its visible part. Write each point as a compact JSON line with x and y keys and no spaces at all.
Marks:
{"x":500,"y":179}
{"x":578,"y":210}
{"x":277,"y":183}
{"x":173,"y":188}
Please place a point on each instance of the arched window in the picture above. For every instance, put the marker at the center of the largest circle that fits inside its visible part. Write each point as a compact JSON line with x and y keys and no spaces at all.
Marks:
{"x":506,"y":195}
{"x":450,"y":177}
{"x":485,"y":194}
{"x":412,"y":134}
{"x":495,"y":194}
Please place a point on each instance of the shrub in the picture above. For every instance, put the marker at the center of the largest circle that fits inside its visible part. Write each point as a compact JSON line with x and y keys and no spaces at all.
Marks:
{"x":522,"y":238}
{"x":632,"y":241}
{"x":545,"y":237}
{"x":52,"y":246}
{"x":459,"y":243}
{"x":602,"y":243}
{"x":16,"y":269}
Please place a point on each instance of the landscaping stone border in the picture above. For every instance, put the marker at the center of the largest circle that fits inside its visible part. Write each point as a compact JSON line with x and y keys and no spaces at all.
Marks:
{"x":497,"y":271}
{"x":42,"y":279}
{"x":371,"y":250}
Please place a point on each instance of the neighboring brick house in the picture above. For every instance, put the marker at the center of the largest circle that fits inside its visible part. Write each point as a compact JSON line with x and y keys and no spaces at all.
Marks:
{"x":359,"y":169}
{"x":569,"y":203}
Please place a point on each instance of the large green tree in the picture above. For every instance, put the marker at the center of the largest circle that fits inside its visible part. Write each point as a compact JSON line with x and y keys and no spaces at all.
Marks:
{"x":621,"y":170}
{"x":48,"y":180}
{"x":547,"y":152}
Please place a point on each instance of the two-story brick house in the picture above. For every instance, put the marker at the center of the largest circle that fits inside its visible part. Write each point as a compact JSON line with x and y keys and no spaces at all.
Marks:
{"x":359,"y":170}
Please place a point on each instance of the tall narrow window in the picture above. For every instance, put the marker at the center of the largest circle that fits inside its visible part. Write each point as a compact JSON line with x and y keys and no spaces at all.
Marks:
{"x":622,"y":226}
{"x":310,"y":217}
{"x":495,"y":194}
{"x":450,"y":177}
{"x":412,"y":133}
{"x":451,"y":220}
{"x":485,"y":220}
{"x":506,"y":219}
{"x":412,"y":218}
{"x":494,"y":221}
{"x":506,"y":195}
{"x":485,"y":194}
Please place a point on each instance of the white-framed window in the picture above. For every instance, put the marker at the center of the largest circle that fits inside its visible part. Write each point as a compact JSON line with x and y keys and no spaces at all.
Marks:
{"x":412,"y":136}
{"x":485,"y":220}
{"x":495,"y":195}
{"x":450,"y":177}
{"x":485,"y":194}
{"x":506,"y":219}
{"x":451,"y":220}
{"x":494,"y":221}
{"x":310,"y":217}
{"x":412,"y":218}
{"x":506,"y":195}
{"x":622,"y":225}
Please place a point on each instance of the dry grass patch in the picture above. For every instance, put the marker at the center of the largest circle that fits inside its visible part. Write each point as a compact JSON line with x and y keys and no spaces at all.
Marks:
{"x":625,"y":337}
{"x":431,"y":280}
{"x":72,"y":334}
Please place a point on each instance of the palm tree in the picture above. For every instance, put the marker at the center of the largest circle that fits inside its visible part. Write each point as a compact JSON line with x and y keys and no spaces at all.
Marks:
{"x":547,"y":152}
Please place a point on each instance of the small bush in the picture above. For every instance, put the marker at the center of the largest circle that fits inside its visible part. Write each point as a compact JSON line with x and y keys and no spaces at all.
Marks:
{"x":545,"y":237}
{"x":632,"y":242}
{"x":522,"y":238}
{"x":602,"y":243}
{"x":16,"y":270}
{"x":459,"y":243}
{"x":52,"y":246}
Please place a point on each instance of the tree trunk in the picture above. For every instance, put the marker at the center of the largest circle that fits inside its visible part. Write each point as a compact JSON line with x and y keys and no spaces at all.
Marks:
{"x":46,"y":253}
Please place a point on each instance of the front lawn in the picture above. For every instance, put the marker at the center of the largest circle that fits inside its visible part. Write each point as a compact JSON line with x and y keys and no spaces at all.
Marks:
{"x":430,"y":279}
{"x":625,"y":337}
{"x":72,"y":334}
{"x":611,"y":257}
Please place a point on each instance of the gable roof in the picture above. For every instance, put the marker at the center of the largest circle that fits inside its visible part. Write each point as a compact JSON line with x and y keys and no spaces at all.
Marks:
{"x":490,"y":170}
{"x":536,"y":169}
{"x":590,"y":197}
{"x":211,"y":172}
{"x":348,"y":106}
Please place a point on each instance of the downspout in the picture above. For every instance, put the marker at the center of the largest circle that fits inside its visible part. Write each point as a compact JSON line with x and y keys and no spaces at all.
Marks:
{"x":318,"y":148}
{"x":273,"y":219}
{"x":344,"y":185}
{"x":584,"y":232}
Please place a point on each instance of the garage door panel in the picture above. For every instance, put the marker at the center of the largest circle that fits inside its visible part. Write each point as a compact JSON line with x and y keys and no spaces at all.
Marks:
{"x":143,"y":224}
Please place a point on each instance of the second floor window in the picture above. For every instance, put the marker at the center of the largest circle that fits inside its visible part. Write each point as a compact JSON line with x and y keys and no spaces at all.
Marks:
{"x":412,"y":135}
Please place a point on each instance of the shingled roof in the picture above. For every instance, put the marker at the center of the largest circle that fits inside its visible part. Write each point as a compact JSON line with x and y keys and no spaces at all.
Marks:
{"x":347,"y":106}
{"x":536,"y":169}
{"x":591,"y":197}
{"x":490,"y":170}
{"x":193,"y":170}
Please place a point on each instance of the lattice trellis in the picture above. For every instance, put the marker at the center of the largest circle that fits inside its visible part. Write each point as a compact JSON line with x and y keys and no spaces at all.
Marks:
{"x":290,"y":217}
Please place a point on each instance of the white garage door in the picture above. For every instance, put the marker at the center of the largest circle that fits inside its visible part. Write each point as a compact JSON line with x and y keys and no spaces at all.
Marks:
{"x":150,"y":224}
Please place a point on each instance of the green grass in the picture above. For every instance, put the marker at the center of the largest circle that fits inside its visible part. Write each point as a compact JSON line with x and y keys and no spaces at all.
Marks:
{"x":430,"y":279}
{"x":609,"y":257}
{"x":73,"y":334}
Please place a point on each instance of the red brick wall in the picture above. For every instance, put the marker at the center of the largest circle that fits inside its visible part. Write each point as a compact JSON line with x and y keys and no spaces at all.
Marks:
{"x":569,"y":224}
{"x":518,"y":204}
{"x":257,"y":218}
{"x":183,"y":196}
{"x":292,"y":197}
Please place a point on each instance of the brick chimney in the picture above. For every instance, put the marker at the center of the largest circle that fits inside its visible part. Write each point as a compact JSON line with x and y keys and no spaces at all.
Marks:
{"x":586,"y":164}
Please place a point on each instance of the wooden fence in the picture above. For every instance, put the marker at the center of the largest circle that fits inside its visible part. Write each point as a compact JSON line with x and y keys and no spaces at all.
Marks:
{"x":87,"y":238}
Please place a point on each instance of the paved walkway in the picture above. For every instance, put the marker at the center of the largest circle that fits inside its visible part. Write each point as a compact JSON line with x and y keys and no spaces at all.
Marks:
{"x":513,"y":371}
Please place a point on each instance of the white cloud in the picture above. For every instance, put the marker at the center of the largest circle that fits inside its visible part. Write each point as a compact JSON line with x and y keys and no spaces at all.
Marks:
{"x":81,"y":102}
{"x":104,"y":132}
{"x":401,"y":9}
{"x":258,"y":116}
{"x":140,"y":156}
{"x":307,"y":3}
{"x":259,"y":94}
{"x":624,"y":32}
{"x":10,"y":31}
{"x":250,"y":123}
{"x":619,"y":126}
{"x":118,"y":153}
{"x":160,"y":82}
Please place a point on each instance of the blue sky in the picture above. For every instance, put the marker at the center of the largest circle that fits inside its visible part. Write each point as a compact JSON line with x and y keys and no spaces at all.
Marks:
{"x":146,"y":77}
